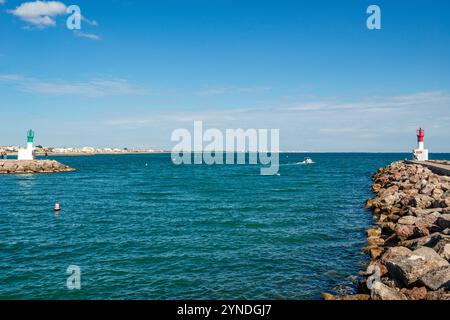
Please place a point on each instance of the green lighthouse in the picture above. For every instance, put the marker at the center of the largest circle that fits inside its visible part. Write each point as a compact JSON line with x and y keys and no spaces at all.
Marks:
{"x":27,"y":154}
{"x":30,"y":136}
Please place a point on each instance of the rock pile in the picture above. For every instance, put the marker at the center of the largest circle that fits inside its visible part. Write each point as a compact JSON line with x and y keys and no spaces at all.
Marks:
{"x":32,"y":166}
{"x":410,"y":247}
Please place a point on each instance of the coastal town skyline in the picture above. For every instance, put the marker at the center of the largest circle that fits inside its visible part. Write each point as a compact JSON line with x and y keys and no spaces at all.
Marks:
{"x":313,"y":70}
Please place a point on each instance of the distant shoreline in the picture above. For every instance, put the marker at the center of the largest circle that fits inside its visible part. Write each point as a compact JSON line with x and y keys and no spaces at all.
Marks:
{"x":40,"y":154}
{"x":50,"y":154}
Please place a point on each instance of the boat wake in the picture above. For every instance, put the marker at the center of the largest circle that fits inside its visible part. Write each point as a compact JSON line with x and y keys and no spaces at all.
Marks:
{"x":301,"y":163}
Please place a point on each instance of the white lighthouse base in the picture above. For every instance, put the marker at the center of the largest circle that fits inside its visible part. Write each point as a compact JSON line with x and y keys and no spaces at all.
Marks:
{"x":420,"y":154}
{"x":25,"y":154}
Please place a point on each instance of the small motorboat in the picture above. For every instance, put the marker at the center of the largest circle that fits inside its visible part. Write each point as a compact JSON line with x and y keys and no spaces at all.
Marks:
{"x":307,"y":161}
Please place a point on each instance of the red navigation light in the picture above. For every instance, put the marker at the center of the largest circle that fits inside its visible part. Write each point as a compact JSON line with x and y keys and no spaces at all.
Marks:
{"x":420,"y":135}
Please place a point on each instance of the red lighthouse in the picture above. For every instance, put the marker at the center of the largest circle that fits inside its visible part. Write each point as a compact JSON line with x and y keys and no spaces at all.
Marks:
{"x":420,"y":154}
{"x":420,"y":135}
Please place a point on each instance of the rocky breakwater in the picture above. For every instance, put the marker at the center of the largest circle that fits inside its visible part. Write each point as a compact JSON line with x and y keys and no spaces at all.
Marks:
{"x":410,"y":246}
{"x":32,"y":166}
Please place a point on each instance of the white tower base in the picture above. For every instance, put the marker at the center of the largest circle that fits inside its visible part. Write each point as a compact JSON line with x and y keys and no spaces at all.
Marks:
{"x":26,"y":154}
{"x":420,"y":154}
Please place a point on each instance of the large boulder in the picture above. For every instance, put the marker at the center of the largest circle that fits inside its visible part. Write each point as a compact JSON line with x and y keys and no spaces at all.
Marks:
{"x":394,"y":252}
{"x":424,"y":212}
{"x":433,"y":179}
{"x":416,"y":293}
{"x":430,"y":219}
{"x":442,"y":247}
{"x":404,"y":232}
{"x":437,"y":278}
{"x":375,"y":241}
{"x":426,"y":241}
{"x":427,"y":188}
{"x":422,"y":228}
{"x":408,"y":220}
{"x":422,"y":201}
{"x":410,"y":268}
{"x":381,"y":291}
{"x":389,"y":200}
{"x":374,"y":232}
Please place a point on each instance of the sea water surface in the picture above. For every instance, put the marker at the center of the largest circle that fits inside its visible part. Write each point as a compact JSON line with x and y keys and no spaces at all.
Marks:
{"x":140,"y":227}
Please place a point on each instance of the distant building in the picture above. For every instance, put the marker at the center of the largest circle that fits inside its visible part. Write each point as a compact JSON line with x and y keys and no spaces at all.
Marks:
{"x":88,"y":149}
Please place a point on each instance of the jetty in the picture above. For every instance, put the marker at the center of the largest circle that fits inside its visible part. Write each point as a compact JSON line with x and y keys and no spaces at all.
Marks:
{"x":410,"y":245}
{"x":437,"y":166}
{"x":26,"y":162}
{"x":32,"y":166}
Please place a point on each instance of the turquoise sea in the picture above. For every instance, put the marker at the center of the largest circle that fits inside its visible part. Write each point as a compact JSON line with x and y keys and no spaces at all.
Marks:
{"x":140,"y":227}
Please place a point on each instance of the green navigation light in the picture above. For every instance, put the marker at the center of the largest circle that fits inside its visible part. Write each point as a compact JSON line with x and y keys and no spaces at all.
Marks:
{"x":30,"y":135}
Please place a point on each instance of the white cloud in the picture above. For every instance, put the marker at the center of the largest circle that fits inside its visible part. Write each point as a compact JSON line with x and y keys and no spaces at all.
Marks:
{"x":2,"y":2}
{"x":90,"y":36}
{"x":98,"y":87}
{"x":39,"y":13}
{"x":92,"y":88}
{"x":43,"y":14}
{"x":10,"y":77}
{"x":370,"y":124}
{"x":376,"y":104}
{"x":231,"y":90}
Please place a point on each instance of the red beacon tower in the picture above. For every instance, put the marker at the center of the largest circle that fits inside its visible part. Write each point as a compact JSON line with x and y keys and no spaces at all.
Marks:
{"x":420,"y":154}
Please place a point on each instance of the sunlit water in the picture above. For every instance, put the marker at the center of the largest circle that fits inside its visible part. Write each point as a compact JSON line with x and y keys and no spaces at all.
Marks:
{"x":160,"y":231}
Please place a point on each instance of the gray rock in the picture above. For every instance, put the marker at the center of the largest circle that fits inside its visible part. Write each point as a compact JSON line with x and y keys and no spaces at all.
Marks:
{"x":408,"y":269}
{"x":395,"y":252}
{"x":429,"y":254}
{"x":427,"y":241}
{"x":408,"y":220}
{"x":431,"y":219}
{"x":404,"y":231}
{"x":442,"y":248}
{"x":427,"y":188}
{"x":424,"y":212}
{"x":437,"y":278}
{"x":390,"y":199}
{"x":381,"y":291}
{"x":422,"y":201}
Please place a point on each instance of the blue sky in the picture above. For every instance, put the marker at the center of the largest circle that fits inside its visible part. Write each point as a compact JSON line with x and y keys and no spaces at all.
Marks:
{"x":137,"y":70}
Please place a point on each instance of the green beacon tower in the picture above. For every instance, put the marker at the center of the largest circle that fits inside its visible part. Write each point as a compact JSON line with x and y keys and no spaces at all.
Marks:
{"x":27,"y":154}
